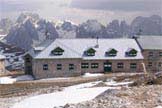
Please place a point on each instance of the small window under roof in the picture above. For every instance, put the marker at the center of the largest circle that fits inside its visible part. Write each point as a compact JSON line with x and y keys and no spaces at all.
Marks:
{"x":57,"y":51}
{"x":131,"y":52}
{"x":90,"y":52}
{"x":111,"y":52}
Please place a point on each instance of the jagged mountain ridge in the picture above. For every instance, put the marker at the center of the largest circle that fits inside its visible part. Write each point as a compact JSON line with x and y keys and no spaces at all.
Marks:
{"x":30,"y":30}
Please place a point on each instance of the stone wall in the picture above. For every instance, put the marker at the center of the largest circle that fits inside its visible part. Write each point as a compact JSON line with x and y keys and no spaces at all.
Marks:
{"x":114,"y":66}
{"x":52,"y":71}
{"x":156,"y":59}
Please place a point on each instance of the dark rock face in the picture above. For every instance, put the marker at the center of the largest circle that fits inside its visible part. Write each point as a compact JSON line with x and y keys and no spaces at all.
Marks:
{"x":30,"y":31}
{"x":22,"y":35}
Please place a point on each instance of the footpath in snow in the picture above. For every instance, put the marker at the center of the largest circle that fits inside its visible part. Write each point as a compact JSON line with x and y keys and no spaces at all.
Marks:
{"x":70,"y":95}
{"x":10,"y":80}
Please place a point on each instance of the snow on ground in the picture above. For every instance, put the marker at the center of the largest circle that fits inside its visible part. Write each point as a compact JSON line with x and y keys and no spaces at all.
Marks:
{"x":7,"y":80}
{"x":72,"y":95}
{"x":158,"y":107}
{"x":10,"y":80}
{"x":48,"y":79}
{"x":92,"y":74}
{"x":111,"y":82}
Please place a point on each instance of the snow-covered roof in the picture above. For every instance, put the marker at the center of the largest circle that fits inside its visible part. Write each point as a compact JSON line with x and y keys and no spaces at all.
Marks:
{"x":35,"y":50}
{"x":150,"y":42}
{"x":75,"y":48}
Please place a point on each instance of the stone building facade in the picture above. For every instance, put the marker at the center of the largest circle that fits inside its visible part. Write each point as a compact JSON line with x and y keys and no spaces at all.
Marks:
{"x":73,"y":57}
{"x":153,"y":60}
{"x":151,"y":47}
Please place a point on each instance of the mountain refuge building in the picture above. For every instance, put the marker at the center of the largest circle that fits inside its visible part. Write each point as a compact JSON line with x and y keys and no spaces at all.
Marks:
{"x":73,"y":57}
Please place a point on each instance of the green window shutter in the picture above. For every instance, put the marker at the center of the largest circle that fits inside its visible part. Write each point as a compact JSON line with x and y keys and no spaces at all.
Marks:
{"x":90,"y":52}
{"x":112,"y":52}
{"x":131,"y":53}
{"x":57,"y":51}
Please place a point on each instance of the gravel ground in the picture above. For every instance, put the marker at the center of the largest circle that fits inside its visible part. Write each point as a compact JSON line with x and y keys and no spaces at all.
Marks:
{"x":134,"y":97}
{"x":141,"y":96}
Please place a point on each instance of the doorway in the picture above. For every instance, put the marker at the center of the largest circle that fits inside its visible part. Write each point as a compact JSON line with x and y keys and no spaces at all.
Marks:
{"x":107,"y":67}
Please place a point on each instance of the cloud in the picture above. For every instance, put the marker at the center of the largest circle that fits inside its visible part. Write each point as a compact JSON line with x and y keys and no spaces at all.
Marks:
{"x":29,"y":5}
{"x":82,"y":10}
{"x":118,"y":5}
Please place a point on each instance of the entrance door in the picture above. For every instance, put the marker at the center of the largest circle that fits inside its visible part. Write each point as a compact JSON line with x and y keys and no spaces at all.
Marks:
{"x":107,"y":67}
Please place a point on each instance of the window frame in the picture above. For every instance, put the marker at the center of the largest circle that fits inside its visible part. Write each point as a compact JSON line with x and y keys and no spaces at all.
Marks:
{"x":132,"y":53}
{"x":160,"y":54}
{"x":59,"y":67}
{"x":151,"y":54}
{"x":27,"y":60}
{"x":94,"y":65}
{"x":45,"y":67}
{"x":112,"y":52}
{"x":71,"y":67}
{"x":120,"y":65}
{"x":150,"y":64}
{"x":57,"y":51}
{"x":84,"y":65}
{"x":90,"y":52}
{"x":160,"y":64}
{"x":133,"y":65}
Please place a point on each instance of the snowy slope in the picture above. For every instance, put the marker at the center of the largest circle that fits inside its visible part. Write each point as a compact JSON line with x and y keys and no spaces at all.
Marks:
{"x":73,"y":94}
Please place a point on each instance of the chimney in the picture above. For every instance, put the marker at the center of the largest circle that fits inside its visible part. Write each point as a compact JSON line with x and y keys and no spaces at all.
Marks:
{"x":97,"y":45}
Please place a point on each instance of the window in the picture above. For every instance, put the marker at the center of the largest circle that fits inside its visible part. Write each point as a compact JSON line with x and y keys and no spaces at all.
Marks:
{"x":84,"y":65}
{"x":150,"y":64}
{"x":59,"y":66}
{"x":120,"y":65}
{"x":94,"y":65}
{"x":90,"y":52}
{"x":160,"y":64}
{"x":111,"y":52}
{"x":160,"y":54}
{"x":28,"y":60}
{"x":151,"y":54}
{"x":71,"y":66}
{"x":45,"y":67}
{"x":57,"y":51}
{"x":131,"y":52}
{"x":133,"y":66}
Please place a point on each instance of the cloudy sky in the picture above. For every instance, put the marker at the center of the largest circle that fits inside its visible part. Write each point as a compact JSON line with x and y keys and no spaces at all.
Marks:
{"x":81,"y":10}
